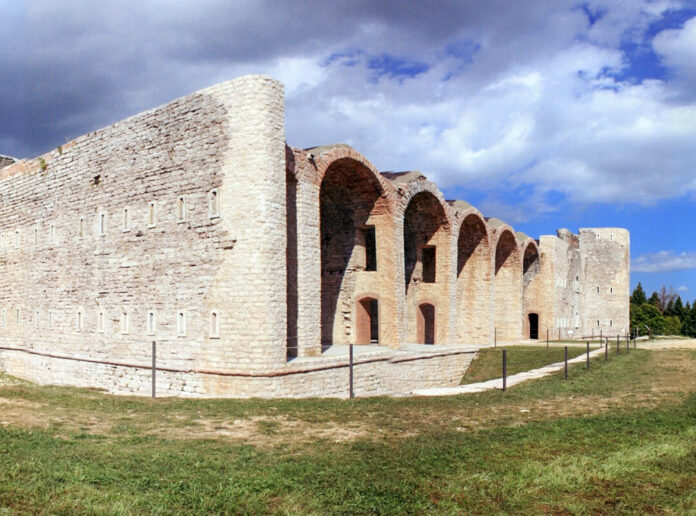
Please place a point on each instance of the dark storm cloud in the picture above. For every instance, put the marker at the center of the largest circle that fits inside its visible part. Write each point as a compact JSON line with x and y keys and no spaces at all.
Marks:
{"x":69,"y":67}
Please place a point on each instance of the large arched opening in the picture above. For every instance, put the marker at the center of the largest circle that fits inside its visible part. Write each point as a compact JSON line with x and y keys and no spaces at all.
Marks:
{"x":353,"y":211}
{"x":532,"y":291}
{"x":508,"y":289}
{"x":426,"y":267}
{"x":473,"y":281}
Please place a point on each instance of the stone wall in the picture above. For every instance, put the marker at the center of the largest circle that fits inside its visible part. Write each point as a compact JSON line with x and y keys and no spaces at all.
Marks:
{"x":194,"y":225}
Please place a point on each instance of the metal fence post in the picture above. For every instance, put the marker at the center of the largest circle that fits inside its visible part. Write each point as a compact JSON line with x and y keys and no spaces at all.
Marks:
{"x":565,"y":359}
{"x":351,"y":394}
{"x":504,"y":369}
{"x":588,"y":356}
{"x":154,"y":367}
{"x":606,"y":350}
{"x":617,"y":345}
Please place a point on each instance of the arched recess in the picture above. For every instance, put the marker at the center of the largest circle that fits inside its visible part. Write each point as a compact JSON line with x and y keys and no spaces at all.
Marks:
{"x":508,"y":288}
{"x":532,"y":289}
{"x":473,"y":281}
{"x":354,"y":222}
{"x":426,"y":262}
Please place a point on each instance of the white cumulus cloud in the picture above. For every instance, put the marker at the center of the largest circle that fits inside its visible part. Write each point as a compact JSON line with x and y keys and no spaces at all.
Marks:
{"x":664,"y":261}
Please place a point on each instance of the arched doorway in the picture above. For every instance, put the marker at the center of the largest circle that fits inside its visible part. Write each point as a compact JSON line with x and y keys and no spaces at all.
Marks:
{"x":533,"y":326}
{"x":367,"y":321}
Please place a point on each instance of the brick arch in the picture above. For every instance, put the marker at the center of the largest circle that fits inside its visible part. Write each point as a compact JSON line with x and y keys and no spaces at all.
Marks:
{"x":473,"y":278}
{"x":532,"y":294}
{"x":367,"y":323}
{"x":355,"y":210}
{"x":427,"y":261}
{"x":507,"y":286}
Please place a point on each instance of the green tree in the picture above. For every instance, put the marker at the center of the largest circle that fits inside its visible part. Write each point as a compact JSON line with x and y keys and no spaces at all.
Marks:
{"x":678,"y":309}
{"x":655,"y":301}
{"x":688,"y":323}
{"x":669,"y":309}
{"x":638,"y":296}
{"x":646,"y":318}
{"x":672,"y":325}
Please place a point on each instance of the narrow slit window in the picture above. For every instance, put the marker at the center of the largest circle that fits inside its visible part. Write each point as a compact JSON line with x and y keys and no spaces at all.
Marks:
{"x":124,"y":323}
{"x":429,"y":261}
{"x":16,"y":240}
{"x":81,"y":228}
{"x":214,"y":208}
{"x":80,"y":320}
{"x":101,"y":224}
{"x":181,"y":323}
{"x":36,"y":235}
{"x":611,"y":290}
{"x":151,"y":322}
{"x":597,"y":290}
{"x":50,"y":320}
{"x":611,"y":323}
{"x":17,"y":315}
{"x":611,"y":236}
{"x":36,"y":319}
{"x":4,"y":319}
{"x":152,"y":214}
{"x":100,"y":321}
{"x":370,"y":248}
{"x":126,"y":219}
{"x":181,"y":209}
{"x":214,"y":324}
{"x":597,"y":323}
{"x":52,"y":234}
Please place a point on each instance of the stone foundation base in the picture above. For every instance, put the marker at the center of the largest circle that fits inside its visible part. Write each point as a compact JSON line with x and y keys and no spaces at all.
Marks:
{"x":376,"y":371}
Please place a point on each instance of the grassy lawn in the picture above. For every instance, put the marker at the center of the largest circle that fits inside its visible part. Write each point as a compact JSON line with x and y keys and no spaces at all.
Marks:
{"x":488,"y":364}
{"x":618,"y":439}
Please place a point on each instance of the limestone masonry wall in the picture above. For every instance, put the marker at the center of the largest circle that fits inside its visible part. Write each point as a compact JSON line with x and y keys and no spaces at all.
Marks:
{"x":253,"y":264}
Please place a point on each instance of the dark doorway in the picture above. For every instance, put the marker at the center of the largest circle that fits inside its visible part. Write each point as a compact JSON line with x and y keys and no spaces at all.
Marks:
{"x":367,"y":321}
{"x":426,"y":324}
{"x":534,"y":326}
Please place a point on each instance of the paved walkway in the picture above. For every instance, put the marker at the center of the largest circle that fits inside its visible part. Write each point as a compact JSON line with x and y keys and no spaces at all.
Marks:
{"x":514,"y":379}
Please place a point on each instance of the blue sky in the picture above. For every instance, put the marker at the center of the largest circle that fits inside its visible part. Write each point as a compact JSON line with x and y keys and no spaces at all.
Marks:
{"x":545,"y":114}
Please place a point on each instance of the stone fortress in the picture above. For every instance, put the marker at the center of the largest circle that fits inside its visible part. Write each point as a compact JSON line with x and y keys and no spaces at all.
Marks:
{"x":253,"y":264}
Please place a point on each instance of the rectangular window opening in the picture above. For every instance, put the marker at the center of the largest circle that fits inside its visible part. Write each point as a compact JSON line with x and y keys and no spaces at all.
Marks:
{"x":429,"y":264}
{"x":81,"y":228}
{"x":124,"y":323}
{"x":101,"y":224}
{"x":370,"y":248}
{"x":100,"y":321}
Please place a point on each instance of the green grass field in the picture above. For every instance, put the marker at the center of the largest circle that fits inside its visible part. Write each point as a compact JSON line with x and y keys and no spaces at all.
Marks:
{"x":488,"y":363}
{"x":619,"y":439}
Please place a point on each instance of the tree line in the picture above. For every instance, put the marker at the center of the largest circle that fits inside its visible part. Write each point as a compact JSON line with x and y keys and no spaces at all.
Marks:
{"x":663,"y":313}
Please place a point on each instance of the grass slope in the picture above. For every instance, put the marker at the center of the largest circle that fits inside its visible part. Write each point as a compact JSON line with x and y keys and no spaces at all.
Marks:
{"x":488,"y":363}
{"x":618,"y":439}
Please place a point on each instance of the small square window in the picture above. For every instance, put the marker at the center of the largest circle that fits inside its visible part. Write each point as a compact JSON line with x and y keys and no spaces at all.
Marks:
{"x":181,"y":209}
{"x":214,"y":324}
{"x":214,"y":204}
{"x":151,"y":215}
{"x":181,"y":323}
{"x":151,"y":322}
